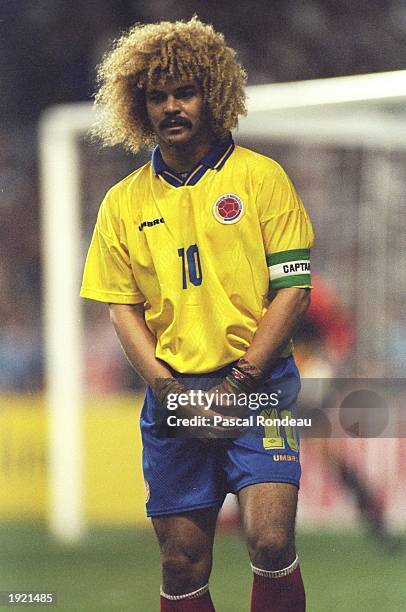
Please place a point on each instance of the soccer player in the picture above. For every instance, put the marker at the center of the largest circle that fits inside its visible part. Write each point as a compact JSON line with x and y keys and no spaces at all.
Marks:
{"x":203,"y":257}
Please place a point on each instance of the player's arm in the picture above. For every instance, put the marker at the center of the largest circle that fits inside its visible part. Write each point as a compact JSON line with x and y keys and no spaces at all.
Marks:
{"x":137,"y":341}
{"x":108,"y":277}
{"x":139,"y":346}
{"x":287,"y":238}
{"x":274,"y":332}
{"x":277,"y":326}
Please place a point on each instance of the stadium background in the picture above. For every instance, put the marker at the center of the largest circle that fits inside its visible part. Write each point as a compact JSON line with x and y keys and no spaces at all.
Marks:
{"x":48,"y":50}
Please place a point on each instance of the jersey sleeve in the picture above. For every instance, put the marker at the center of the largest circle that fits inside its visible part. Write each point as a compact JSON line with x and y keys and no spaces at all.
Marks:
{"x":108,"y":276}
{"x":286,"y":230}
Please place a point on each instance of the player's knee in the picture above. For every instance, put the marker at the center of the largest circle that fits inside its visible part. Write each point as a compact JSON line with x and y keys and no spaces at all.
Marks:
{"x":271,"y":550}
{"x":185,"y":570}
{"x":177,"y":572}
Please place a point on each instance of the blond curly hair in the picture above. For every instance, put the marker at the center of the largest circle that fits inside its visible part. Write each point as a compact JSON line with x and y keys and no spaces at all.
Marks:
{"x":147,"y":55}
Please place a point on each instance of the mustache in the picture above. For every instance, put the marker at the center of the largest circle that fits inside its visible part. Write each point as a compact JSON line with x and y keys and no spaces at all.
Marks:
{"x":174,"y":121}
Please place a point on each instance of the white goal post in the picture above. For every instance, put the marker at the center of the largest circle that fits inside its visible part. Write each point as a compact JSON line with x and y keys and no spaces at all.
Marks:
{"x":355,"y":111}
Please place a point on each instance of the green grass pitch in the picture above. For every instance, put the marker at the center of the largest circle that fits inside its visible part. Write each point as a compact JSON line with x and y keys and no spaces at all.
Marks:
{"x":115,"y":570}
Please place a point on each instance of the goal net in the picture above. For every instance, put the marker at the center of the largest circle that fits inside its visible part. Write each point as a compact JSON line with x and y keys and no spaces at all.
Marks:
{"x":343,"y":142}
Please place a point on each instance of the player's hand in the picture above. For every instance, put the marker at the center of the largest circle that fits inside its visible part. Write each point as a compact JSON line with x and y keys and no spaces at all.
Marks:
{"x":206,"y":424}
{"x":231,"y":396}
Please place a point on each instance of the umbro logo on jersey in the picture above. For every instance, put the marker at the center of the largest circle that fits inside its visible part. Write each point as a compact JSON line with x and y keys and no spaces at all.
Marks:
{"x":285,"y":458}
{"x":150,"y":223}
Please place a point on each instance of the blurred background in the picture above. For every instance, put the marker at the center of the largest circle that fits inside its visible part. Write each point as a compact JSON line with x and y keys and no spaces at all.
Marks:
{"x":351,"y":520}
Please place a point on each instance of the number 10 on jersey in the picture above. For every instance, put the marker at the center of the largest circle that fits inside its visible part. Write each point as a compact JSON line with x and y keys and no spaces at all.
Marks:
{"x":191,"y":267}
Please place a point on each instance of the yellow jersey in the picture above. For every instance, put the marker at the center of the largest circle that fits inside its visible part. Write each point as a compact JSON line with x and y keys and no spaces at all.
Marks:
{"x":200,"y":251}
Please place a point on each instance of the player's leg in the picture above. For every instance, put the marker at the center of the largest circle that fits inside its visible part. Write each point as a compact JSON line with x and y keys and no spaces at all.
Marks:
{"x":185,"y":490}
{"x":268,"y":512}
{"x":186,"y":547}
{"x":263,"y":467}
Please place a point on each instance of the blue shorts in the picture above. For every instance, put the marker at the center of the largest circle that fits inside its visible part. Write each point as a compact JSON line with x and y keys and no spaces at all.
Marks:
{"x":184,"y":474}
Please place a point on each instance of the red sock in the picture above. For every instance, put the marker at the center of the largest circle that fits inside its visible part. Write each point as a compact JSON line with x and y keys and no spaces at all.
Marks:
{"x":203,"y":603}
{"x":284,"y":594}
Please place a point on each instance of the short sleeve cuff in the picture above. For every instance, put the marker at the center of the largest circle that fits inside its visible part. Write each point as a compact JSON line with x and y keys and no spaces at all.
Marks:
{"x":111,"y":297}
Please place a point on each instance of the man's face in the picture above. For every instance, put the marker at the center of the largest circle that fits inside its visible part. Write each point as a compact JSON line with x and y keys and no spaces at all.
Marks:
{"x":176,"y":112}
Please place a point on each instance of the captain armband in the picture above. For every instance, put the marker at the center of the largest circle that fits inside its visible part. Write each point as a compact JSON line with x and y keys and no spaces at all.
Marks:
{"x":289,"y":268}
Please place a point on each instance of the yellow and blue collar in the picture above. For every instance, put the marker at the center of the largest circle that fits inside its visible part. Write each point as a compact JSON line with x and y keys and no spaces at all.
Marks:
{"x":215,"y":159}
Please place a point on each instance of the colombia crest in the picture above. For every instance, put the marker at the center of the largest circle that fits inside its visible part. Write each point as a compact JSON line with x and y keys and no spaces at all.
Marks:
{"x":228,"y":209}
